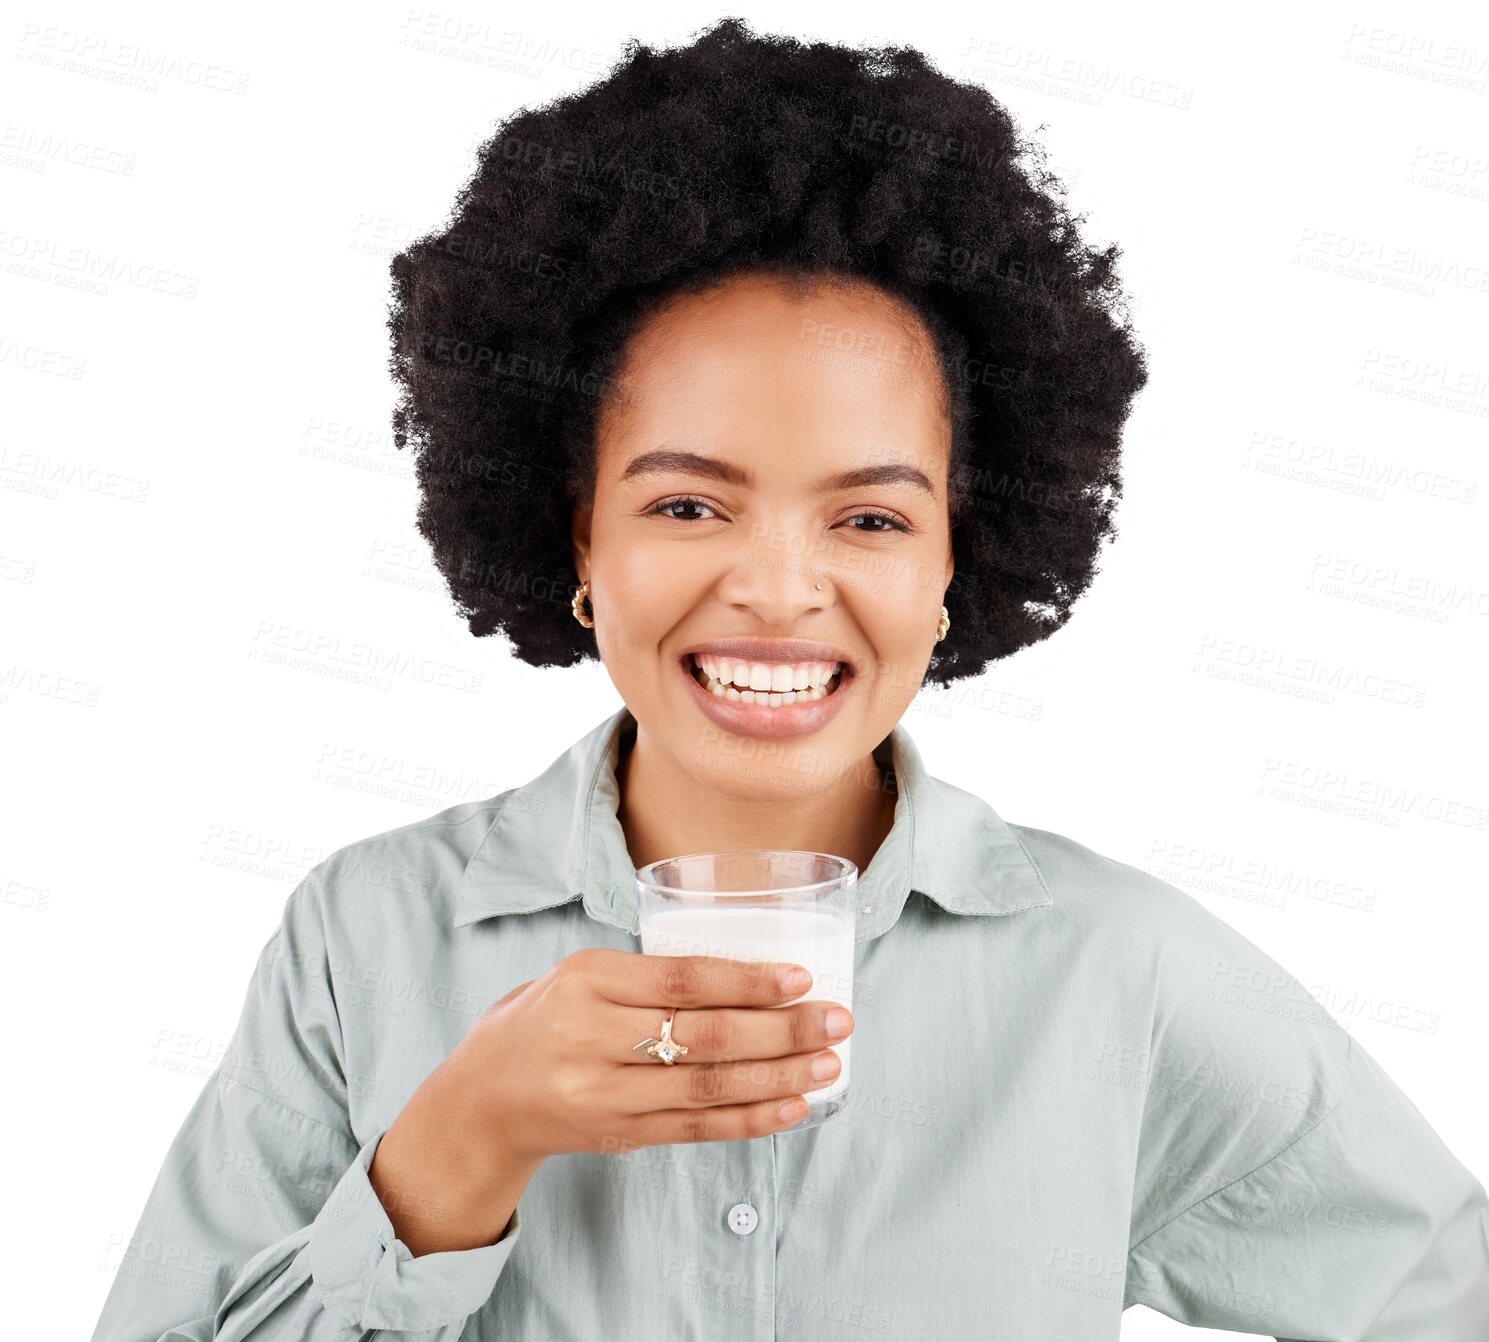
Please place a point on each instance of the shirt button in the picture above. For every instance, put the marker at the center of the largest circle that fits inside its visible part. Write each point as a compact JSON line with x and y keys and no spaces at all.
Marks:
{"x":743,"y":1218}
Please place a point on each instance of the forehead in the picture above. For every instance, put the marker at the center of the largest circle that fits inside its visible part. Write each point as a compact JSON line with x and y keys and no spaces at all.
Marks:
{"x":837,"y":366}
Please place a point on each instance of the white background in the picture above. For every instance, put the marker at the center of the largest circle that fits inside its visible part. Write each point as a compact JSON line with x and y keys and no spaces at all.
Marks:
{"x":197,"y":471}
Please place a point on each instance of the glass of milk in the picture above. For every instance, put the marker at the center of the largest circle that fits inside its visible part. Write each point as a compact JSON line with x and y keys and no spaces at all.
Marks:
{"x":759,"y":905}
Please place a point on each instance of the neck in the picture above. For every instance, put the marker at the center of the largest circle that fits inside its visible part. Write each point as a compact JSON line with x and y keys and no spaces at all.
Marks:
{"x":665,"y":811}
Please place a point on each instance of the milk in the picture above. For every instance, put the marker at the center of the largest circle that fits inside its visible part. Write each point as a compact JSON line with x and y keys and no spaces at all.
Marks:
{"x":817,"y":939}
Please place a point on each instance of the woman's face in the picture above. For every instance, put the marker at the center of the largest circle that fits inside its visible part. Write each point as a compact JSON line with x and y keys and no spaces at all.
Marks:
{"x":718,"y":513}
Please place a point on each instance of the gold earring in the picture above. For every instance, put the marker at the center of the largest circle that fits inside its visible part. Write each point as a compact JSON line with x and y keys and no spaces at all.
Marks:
{"x":580,"y":593}
{"x":942,"y":625}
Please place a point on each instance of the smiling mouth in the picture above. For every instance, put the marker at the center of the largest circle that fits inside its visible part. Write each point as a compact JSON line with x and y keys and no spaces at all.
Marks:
{"x":765,"y":698}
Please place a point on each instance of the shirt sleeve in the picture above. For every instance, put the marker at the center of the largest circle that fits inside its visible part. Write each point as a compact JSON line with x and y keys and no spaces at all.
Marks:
{"x":262,"y":1224}
{"x":1354,"y":1224}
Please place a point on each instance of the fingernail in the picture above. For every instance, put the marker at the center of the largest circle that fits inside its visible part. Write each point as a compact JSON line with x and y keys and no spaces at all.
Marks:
{"x":825,"y":1066}
{"x":792,"y":1109}
{"x":796,"y":980}
{"x":838,"y":1023}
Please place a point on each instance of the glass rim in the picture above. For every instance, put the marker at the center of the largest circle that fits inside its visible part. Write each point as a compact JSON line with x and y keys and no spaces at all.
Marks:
{"x":849,"y":867}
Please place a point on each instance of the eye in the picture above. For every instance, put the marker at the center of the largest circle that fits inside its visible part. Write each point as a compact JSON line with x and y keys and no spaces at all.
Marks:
{"x":892,"y":523}
{"x":661,"y":509}
{"x":664,"y":509}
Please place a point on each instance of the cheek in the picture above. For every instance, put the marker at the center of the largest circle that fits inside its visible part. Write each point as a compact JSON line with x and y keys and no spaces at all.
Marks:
{"x":643,"y":594}
{"x":898,"y":618}
{"x":901,"y":628}
{"x":645,"y":583}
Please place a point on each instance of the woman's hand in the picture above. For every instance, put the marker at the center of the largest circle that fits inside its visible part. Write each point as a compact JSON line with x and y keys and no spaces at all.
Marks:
{"x":550,"y":1068}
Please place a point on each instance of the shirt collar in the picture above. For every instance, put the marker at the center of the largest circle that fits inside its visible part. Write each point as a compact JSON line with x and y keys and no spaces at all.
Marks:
{"x":558,"y":838}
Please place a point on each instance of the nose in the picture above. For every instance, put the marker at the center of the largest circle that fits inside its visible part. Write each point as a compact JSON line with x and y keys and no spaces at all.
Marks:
{"x":777,"y":587}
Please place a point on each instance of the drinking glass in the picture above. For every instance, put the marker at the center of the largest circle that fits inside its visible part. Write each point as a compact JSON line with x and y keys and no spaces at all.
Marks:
{"x":759,"y":905}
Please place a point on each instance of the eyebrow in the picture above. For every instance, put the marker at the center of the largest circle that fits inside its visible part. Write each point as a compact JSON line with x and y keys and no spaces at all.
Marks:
{"x":661,"y":460}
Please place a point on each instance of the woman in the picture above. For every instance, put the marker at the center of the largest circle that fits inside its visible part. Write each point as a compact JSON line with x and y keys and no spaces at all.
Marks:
{"x":819,"y":396}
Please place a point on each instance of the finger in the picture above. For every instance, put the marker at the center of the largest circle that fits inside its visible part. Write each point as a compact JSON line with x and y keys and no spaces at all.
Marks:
{"x":502,"y":1001}
{"x":727,"y":1034}
{"x":638,"y":1090}
{"x":722,"y":1123}
{"x":634,"y":979}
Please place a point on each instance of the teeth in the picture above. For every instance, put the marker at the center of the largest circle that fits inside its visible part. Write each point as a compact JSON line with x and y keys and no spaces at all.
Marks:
{"x":775,"y":684}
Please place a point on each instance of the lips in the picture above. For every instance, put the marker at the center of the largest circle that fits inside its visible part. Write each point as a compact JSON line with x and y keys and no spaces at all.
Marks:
{"x":762,"y":721}
{"x":773,"y":684}
{"x":772,"y":651}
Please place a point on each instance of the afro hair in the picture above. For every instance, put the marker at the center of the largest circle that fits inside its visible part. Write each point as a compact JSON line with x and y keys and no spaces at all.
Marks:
{"x":748,"y":153}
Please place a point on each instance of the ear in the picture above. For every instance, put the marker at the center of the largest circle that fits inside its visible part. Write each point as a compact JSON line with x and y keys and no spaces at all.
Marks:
{"x":582,"y":515}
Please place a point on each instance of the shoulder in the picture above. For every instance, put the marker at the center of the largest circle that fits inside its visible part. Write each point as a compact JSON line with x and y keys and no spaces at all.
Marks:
{"x":1235,"y":1056}
{"x":1099,"y":896}
{"x":396,"y":881}
{"x":1229,"y":1027}
{"x":1189,"y":948}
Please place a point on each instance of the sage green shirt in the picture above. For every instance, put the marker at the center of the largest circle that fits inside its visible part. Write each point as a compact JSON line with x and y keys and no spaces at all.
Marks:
{"x":1073,"y":1089}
